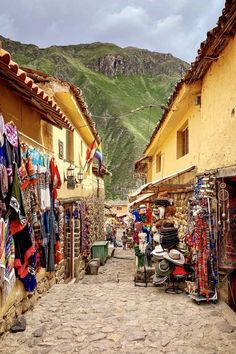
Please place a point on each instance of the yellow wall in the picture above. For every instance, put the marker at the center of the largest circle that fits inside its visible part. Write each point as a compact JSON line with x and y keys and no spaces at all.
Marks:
{"x":89,"y":185}
{"x":14,"y":108}
{"x":166,"y":142}
{"x":119,"y":209}
{"x":218,"y":123}
{"x":212,"y":126}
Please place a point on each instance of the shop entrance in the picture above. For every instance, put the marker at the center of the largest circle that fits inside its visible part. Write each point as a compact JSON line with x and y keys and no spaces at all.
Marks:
{"x":69,"y":243}
{"x":227,"y":234}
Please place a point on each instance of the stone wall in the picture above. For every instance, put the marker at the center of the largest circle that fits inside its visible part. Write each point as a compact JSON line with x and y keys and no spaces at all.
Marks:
{"x":24,"y":301}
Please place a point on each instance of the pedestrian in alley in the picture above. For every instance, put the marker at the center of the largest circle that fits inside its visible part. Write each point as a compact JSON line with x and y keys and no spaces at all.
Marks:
{"x":124,"y":240}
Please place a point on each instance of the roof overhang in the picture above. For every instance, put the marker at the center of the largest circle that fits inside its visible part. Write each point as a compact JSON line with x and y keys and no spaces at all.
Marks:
{"x":172,"y":182}
{"x":145,"y":197}
{"x":18,"y":82}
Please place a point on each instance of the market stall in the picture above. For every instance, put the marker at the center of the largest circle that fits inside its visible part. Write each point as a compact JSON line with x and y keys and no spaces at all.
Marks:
{"x":31,"y":219}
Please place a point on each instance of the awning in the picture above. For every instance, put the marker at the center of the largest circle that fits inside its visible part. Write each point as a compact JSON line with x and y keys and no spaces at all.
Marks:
{"x":153,"y":184}
{"x":141,"y":199}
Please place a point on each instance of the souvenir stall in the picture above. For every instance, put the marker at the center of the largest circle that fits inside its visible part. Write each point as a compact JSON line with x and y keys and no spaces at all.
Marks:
{"x":159,"y":254}
{"x":31,"y":223}
{"x":201,"y":240}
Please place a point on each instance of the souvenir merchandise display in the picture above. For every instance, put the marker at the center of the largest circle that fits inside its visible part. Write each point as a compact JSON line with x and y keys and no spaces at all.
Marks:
{"x":30,"y":220}
{"x":202,"y":239}
{"x":226,"y":225}
{"x":156,"y":240}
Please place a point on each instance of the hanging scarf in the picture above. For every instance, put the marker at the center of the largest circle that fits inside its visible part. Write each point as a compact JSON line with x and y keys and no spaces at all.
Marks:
{"x":9,"y":276}
{"x":24,"y":247}
{"x":56,"y":179}
{"x":11,"y":134}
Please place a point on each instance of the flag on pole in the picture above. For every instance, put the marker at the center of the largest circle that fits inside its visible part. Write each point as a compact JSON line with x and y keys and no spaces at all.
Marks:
{"x":90,"y":155}
{"x":98,"y":153}
{"x":98,"y":156}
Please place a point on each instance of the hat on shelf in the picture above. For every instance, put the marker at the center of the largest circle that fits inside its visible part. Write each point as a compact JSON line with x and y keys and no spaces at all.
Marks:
{"x":157,"y":280}
{"x":157,"y":237}
{"x":174,"y":256}
{"x":158,"y":251}
{"x":163,"y":268}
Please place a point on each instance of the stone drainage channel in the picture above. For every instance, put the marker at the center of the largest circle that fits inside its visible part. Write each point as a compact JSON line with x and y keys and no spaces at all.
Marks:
{"x":106,"y":313}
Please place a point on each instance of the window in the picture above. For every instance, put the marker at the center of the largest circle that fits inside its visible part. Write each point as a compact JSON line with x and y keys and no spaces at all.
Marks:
{"x":158,"y":162}
{"x":183,"y":141}
{"x":118,"y":208}
{"x":69,"y":146}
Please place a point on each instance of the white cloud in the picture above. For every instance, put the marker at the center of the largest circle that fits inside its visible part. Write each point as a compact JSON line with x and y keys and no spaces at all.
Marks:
{"x":173,"y":26}
{"x":6,"y":25}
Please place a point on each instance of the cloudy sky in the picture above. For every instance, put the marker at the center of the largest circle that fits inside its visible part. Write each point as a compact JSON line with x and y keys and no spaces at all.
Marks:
{"x":170,"y":26}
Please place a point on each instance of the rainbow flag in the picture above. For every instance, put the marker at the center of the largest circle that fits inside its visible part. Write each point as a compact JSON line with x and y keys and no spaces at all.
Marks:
{"x":98,"y":153}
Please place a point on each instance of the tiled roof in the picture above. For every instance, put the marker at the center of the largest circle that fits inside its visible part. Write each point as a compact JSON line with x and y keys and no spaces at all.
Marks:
{"x":209,"y":51}
{"x":78,"y":94}
{"x":19,"y":80}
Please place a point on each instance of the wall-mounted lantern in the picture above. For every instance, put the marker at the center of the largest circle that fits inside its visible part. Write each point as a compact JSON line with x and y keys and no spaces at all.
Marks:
{"x":70,"y":177}
{"x":80,"y":176}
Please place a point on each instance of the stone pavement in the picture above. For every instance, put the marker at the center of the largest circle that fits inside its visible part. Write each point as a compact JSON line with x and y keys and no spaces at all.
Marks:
{"x":107,"y":314}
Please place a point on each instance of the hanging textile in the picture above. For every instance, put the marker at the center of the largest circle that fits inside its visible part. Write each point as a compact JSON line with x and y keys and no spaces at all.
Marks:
{"x":55,"y":177}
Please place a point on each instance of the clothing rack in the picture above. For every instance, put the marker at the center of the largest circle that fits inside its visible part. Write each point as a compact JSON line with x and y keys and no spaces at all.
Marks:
{"x":35,"y":142}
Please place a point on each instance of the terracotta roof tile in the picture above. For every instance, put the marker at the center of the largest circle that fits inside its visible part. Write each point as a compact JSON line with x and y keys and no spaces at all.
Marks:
{"x":78,"y":94}
{"x":13,"y":72}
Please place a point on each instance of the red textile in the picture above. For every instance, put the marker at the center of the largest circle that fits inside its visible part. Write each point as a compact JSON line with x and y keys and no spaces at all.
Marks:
{"x":179,"y":270}
{"x":56,"y":178}
{"x":58,"y":252}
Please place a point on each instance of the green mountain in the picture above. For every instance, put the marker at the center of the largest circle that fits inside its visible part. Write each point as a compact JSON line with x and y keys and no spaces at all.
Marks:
{"x":115,"y":81}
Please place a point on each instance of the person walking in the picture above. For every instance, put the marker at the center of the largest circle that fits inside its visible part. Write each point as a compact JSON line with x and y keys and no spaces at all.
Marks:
{"x":124,"y":240}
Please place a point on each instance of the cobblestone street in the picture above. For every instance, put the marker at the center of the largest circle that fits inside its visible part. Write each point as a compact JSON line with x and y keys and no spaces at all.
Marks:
{"x":108,"y":314}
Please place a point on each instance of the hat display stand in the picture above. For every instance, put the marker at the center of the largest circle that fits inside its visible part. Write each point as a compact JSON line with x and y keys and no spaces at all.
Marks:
{"x":143,"y":254}
{"x":143,"y":277}
{"x":176,"y":277}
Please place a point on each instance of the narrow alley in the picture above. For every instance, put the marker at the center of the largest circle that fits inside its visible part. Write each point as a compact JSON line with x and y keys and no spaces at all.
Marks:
{"x":107,"y":313}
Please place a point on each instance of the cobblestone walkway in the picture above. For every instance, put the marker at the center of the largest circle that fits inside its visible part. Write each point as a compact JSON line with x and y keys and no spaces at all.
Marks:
{"x":107,"y":314}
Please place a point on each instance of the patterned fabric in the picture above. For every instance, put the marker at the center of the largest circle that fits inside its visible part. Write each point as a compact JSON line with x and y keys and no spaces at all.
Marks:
{"x":2,"y":250}
{"x":43,"y":188}
{"x":55,"y":177}
{"x":9,"y":276}
{"x":24,"y":249}
{"x":11,"y":134}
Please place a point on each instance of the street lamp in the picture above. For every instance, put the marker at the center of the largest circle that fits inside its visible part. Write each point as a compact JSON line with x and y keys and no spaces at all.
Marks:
{"x":70,"y":176}
{"x":80,"y":176}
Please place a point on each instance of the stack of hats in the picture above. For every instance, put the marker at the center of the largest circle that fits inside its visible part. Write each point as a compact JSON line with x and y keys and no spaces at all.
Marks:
{"x":175,"y":257}
{"x":169,"y":236}
{"x":169,"y":263}
{"x":162,"y":272}
{"x":158,"y":252}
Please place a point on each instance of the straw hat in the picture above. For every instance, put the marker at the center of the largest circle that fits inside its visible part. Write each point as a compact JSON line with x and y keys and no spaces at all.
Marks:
{"x":174,"y":256}
{"x":164,"y":268}
{"x":158,"y":251}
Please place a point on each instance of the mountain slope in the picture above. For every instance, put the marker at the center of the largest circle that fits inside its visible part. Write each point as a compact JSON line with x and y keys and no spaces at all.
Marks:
{"x":114,"y":81}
